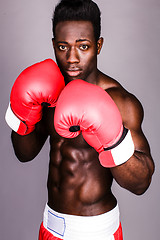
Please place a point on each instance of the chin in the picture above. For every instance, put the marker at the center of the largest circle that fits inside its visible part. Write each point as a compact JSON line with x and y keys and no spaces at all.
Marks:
{"x":69,"y":79}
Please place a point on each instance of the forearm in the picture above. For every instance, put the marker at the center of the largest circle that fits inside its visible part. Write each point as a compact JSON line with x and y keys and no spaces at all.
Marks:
{"x":27,"y":147}
{"x":135,"y":175}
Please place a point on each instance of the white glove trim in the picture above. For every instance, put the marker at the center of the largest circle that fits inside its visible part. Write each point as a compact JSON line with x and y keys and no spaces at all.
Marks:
{"x":12,"y":120}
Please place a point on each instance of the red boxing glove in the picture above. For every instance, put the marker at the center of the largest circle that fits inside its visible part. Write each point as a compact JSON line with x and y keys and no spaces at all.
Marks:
{"x":39,"y":84}
{"x":87,"y":108}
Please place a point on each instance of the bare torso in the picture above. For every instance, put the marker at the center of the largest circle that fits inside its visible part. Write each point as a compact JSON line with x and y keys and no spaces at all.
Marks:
{"x":77,"y":183}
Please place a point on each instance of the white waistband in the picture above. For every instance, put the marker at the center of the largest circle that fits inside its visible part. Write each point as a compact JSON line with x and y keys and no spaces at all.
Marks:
{"x":72,"y":227}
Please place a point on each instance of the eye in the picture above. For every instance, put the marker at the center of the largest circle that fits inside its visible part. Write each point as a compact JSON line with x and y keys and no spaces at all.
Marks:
{"x":62,"y":47}
{"x":84,"y":47}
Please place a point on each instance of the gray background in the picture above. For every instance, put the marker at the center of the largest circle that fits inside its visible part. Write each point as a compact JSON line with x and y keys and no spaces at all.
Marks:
{"x":131,"y":54}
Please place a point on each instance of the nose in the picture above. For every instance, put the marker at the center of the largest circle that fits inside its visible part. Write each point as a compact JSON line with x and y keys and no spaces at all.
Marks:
{"x":72,"y":56}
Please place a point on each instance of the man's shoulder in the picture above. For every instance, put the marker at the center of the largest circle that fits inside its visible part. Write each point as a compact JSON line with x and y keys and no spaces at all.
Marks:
{"x":116,"y":90}
{"x":107,"y":82}
{"x":127,"y":102}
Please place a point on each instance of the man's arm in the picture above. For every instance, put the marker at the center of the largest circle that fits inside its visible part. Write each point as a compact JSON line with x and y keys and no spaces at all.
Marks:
{"x":135,"y":174}
{"x":36,"y":88}
{"x":27,"y":147}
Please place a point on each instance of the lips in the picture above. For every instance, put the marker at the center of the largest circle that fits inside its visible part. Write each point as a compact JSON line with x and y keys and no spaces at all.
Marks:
{"x":74,"y":72}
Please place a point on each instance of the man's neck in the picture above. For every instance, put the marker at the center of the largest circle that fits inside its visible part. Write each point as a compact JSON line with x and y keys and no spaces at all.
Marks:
{"x":93,"y":77}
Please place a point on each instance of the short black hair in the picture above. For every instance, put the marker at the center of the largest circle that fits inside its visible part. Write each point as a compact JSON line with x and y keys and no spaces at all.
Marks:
{"x":78,"y":10}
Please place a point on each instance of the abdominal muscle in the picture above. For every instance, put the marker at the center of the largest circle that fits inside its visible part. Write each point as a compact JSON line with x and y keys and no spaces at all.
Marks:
{"x":77,"y":183}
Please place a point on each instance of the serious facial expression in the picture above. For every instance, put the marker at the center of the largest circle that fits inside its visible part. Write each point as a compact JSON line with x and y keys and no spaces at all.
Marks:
{"x":76,"y":49}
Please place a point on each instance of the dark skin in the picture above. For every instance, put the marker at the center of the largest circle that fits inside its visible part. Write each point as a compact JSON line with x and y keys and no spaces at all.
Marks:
{"x":77,"y":183}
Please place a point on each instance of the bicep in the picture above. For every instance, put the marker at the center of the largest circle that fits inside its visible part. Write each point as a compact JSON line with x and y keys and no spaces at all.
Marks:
{"x":132,"y":114}
{"x":132,"y":117}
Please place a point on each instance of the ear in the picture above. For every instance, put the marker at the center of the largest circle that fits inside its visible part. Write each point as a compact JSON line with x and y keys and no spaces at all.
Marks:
{"x":99,"y":45}
{"x":53,"y":42}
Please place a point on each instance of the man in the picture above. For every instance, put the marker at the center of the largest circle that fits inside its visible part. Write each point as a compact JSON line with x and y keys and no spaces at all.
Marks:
{"x":84,"y":158}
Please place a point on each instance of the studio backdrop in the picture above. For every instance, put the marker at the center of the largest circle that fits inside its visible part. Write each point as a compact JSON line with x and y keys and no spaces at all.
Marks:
{"x":130,"y":54}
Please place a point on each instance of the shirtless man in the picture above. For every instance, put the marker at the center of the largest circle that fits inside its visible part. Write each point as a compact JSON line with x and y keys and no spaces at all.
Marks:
{"x":80,"y":202}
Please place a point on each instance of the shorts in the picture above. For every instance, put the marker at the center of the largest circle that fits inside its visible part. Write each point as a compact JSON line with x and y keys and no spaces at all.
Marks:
{"x":57,"y":226}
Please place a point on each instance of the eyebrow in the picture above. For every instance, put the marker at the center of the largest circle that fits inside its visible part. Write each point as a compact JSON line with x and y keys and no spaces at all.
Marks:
{"x":82,"y":40}
{"x":62,"y":42}
{"x":78,"y":40}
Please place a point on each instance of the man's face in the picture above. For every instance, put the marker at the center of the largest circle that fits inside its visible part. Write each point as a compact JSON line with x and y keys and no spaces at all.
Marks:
{"x":76,"y":50}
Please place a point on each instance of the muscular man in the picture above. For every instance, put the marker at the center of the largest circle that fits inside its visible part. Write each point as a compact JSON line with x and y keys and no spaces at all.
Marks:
{"x":82,"y":163}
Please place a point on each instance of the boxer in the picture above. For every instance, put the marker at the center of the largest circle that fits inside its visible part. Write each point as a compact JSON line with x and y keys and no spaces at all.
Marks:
{"x":94,"y":128}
